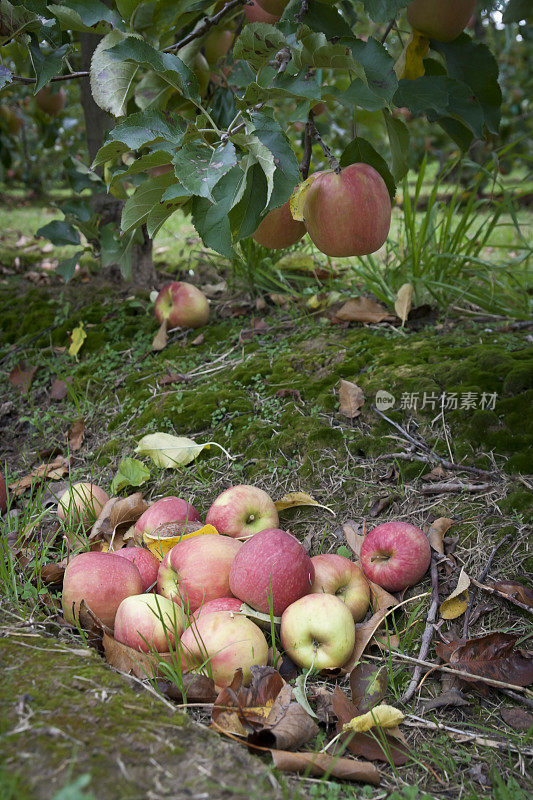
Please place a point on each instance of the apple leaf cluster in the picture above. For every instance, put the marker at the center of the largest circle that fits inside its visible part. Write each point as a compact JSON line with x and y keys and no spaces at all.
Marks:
{"x":217,"y":140}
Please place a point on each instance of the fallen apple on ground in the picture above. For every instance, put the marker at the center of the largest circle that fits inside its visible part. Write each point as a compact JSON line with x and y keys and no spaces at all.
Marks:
{"x":318,"y":631}
{"x":182,"y":305}
{"x":81,"y":503}
{"x":278,"y":229}
{"x":148,"y":622}
{"x":395,"y":555}
{"x":230,"y":604}
{"x":242,"y":511}
{"x":166,"y":509}
{"x":145,"y":561}
{"x":271,"y":571}
{"x":220,"y":643}
{"x":196,"y":570}
{"x":103,"y":581}
{"x":339,"y":576}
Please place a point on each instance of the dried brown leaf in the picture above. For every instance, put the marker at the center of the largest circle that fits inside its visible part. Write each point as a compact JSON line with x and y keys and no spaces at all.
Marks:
{"x":323,"y":700}
{"x":173,"y":377}
{"x":199,"y":340}
{"x":516,"y":590}
{"x":297,"y":499}
{"x":517,"y":718}
{"x":258,"y":327}
{"x":59,"y":388}
{"x":436,"y":474}
{"x":102,"y":527}
{"x":52,"y":574}
{"x":368,"y":683}
{"x":380,"y":598}
{"x":492,"y":656}
{"x":288,"y":725}
{"x":380,"y":505}
{"x":133,"y":662}
{"x":161,"y":337}
{"x":351,"y":398}
{"x":437,"y":532}
{"x":354,"y":539}
{"x":345,"y":769}
{"x":75,"y":434}
{"x":239,"y":709}
{"x":21,"y":377}
{"x":54,"y":470}
{"x":195,"y":688}
{"x":453,"y":697}
{"x":364,"y":632}
{"x":362,"y":309}
{"x":127,"y":510}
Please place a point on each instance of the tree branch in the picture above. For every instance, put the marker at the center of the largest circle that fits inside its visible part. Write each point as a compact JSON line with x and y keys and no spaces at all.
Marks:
{"x":427,"y":636}
{"x":482,"y":577}
{"x":334,"y":164}
{"x":308,"y":146}
{"x":205,"y":25}
{"x":388,"y":29}
{"x":69,"y":76}
{"x":304,"y":8}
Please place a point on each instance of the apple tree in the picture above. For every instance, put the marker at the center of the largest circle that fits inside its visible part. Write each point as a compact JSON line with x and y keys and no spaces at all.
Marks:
{"x":196,"y":106}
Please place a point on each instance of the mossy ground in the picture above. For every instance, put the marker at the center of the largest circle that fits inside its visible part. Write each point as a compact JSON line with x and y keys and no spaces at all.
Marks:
{"x":272,"y":401}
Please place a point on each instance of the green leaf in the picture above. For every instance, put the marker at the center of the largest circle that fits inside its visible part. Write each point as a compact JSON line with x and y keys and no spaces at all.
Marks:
{"x":87,"y":16}
{"x":67,"y":268}
{"x":287,"y":174}
{"x":357,"y":94}
{"x":258,"y":153}
{"x":518,"y":10}
{"x":316,"y":51}
{"x":200,"y":167}
{"x":45,"y":65}
{"x":152,"y":91}
{"x":147,"y":161}
{"x":360,"y":150}
{"x":139,"y":130}
{"x":378,"y":67}
{"x":472,"y":63}
{"x":6,"y":76}
{"x":131,"y":472}
{"x":399,"y":145}
{"x":138,"y":206}
{"x":117,"y":250}
{"x":384,"y":10}
{"x":15,"y":19}
{"x":60,"y":233}
{"x":170,"y":451}
{"x":211,"y":220}
{"x":258,"y":43}
{"x":223,"y":107}
{"x":327,"y":20}
{"x":168,"y":66}
{"x":173,"y":198}
{"x":246,"y":215}
{"x":111,"y":80}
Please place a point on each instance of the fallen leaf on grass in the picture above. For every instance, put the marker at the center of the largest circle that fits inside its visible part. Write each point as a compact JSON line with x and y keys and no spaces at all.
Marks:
{"x":345,"y":769}
{"x":21,"y":377}
{"x":75,"y":434}
{"x":173,"y":377}
{"x":59,"y":388}
{"x":492,"y":656}
{"x":368,"y":683}
{"x":436,"y":474}
{"x":480,"y":610}
{"x":402,"y":304}
{"x":516,"y":590}
{"x":258,"y":326}
{"x":131,"y":472}
{"x":294,"y":393}
{"x":170,"y":451}
{"x":384,"y":745}
{"x":161,"y":338}
{"x":54,"y":470}
{"x":133,"y":662}
{"x":437,"y":531}
{"x":364,"y":632}
{"x":116,"y":517}
{"x":381,"y":716}
{"x":296,"y":499}
{"x":323,"y":700}
{"x":453,"y":697}
{"x":77,"y":338}
{"x":517,"y":718}
{"x":380,"y":598}
{"x":380,"y":505}
{"x":194,"y":688}
{"x":52,"y":574}
{"x":353,"y":538}
{"x":362,"y":309}
{"x":351,"y":398}
{"x":199,"y":340}
{"x":457,"y":602}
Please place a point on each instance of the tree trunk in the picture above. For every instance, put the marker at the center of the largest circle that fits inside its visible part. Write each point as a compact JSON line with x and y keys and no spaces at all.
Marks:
{"x":97,"y":123}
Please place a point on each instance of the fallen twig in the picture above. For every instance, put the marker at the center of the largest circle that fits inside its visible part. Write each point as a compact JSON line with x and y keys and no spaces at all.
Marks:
{"x":481,"y":579}
{"x":455,"y":486}
{"x":427,"y":636}
{"x":496,"y":593}
{"x":419,"y":722}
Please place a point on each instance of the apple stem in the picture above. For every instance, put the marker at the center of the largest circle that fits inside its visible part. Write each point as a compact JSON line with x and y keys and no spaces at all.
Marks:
{"x":334,"y":164}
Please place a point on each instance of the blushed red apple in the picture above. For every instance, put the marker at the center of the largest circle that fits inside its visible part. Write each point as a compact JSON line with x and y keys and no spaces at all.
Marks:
{"x":145,"y":561}
{"x":196,"y":570}
{"x":102,"y":580}
{"x":227,"y":642}
{"x":271,"y":571}
{"x":182,"y":304}
{"x":339,"y":576}
{"x":318,"y":630}
{"x":230,"y":604}
{"x":81,"y":503}
{"x":349,"y":213}
{"x":395,"y":555}
{"x":148,"y":622}
{"x":242,"y":511}
{"x":166,"y":509}
{"x":278,"y":229}
{"x":49,"y":101}
{"x":254,"y":13}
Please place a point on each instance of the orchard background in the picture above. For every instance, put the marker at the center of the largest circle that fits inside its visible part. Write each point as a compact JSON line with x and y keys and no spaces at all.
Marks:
{"x":143,"y":143}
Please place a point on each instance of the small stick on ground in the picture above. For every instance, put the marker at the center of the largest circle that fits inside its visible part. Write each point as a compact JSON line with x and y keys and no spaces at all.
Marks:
{"x":455,"y":486}
{"x":482,"y":577}
{"x":496,"y":593}
{"x":428,"y":632}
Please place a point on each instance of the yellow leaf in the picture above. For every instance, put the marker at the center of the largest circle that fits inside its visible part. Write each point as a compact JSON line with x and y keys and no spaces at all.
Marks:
{"x":457,"y":603}
{"x":300,"y":193}
{"x":296,"y":261}
{"x":77,"y":338}
{"x":383,"y":716}
{"x":295,"y":499}
{"x":161,"y":337}
{"x":160,"y":546}
{"x":410,"y":64}
{"x":402,"y":304}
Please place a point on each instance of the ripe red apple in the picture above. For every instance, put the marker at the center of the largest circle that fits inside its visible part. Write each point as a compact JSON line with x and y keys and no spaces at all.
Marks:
{"x":273,"y":6}
{"x":50,"y":102}
{"x":103,"y":580}
{"x":255,"y":13}
{"x":348,"y":214}
{"x":242,"y":511}
{"x":278,"y":229}
{"x":395,"y":555}
{"x":3,"y":494}
{"x":339,"y":576}
{"x":81,"y":503}
{"x":229,"y":604}
{"x":227,"y":642}
{"x":217,"y":44}
{"x":148,"y":622}
{"x":13,"y":121}
{"x":166,"y":509}
{"x":196,"y":570}
{"x":145,"y":561}
{"x":271,"y":570}
{"x":442,"y":20}
{"x":318,"y":630}
{"x":182,"y":304}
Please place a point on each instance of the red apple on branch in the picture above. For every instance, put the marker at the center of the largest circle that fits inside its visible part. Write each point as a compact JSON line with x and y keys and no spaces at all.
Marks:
{"x":278,"y":229}
{"x":318,"y":630}
{"x":182,"y":304}
{"x":102,"y":580}
{"x":242,"y":511}
{"x":254,"y":13}
{"x":339,"y":576}
{"x":348,"y":213}
{"x":271,"y":571}
{"x":145,"y":561}
{"x":50,"y":102}
{"x":395,"y":555}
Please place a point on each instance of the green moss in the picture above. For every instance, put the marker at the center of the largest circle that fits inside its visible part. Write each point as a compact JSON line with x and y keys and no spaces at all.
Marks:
{"x":519,"y":379}
{"x":519,"y":501}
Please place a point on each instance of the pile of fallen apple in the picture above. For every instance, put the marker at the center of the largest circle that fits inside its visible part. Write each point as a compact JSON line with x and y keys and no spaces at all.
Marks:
{"x":204,"y":590}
